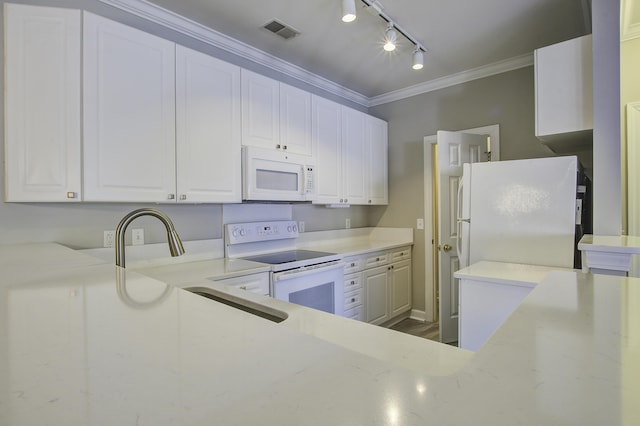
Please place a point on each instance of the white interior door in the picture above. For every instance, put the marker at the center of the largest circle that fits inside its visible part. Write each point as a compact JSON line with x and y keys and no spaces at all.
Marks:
{"x":454,"y":149}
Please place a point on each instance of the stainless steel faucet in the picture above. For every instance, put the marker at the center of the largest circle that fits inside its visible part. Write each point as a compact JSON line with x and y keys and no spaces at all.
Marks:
{"x":175,"y":245}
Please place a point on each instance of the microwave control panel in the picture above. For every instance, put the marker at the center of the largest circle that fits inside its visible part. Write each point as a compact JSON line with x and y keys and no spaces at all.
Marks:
{"x":238,"y":233}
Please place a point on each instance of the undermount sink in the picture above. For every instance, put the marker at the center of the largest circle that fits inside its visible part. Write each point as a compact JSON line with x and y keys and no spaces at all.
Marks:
{"x":241,"y":304}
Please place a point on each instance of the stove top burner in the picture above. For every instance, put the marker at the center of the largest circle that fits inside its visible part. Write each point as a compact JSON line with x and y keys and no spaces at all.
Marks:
{"x":287,"y":256}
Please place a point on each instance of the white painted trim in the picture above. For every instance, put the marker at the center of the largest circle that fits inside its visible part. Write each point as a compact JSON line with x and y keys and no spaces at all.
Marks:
{"x":182,"y":25}
{"x":429,"y":283}
{"x":633,"y":178}
{"x":628,"y":30}
{"x":454,"y":79}
{"x":417,"y":315}
{"x":178,"y":23}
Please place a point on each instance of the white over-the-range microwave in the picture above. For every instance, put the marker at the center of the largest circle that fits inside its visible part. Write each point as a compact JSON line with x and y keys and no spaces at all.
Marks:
{"x":269,"y":175}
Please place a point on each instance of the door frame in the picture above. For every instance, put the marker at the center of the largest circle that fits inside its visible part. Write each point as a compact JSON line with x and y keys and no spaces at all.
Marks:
{"x":430,"y":219}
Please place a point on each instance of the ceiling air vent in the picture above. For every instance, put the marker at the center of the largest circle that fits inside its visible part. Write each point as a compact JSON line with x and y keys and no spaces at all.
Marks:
{"x":283,"y":30}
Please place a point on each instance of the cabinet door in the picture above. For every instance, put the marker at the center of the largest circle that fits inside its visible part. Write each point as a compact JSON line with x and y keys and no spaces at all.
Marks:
{"x":377,"y":183}
{"x":129,"y":114}
{"x":354,"y":160}
{"x":295,"y":120}
{"x":376,"y":297}
{"x":260,"y":110}
{"x":400,"y":284}
{"x":42,"y":104}
{"x":326,"y":138}
{"x":207,"y":129}
{"x":564,"y":87}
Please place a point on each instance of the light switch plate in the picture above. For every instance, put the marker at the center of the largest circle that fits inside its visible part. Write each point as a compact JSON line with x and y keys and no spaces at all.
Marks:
{"x":420,"y":224}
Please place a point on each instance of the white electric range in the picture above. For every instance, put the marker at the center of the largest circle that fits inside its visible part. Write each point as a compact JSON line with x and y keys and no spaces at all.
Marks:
{"x":310,"y":278}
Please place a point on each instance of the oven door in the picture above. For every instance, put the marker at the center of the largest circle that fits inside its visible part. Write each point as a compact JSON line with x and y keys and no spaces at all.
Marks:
{"x":319,"y":286}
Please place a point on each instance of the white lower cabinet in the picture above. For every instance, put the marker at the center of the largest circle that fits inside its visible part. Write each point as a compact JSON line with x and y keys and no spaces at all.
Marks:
{"x":255,"y":283}
{"x":484,"y":306}
{"x":379,"y":284}
{"x":353,"y":296}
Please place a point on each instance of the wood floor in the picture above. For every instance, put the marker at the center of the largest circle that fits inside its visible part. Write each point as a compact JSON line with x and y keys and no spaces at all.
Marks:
{"x":427,"y":330}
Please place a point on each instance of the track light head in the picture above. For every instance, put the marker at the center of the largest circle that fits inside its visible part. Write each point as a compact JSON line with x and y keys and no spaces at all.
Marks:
{"x":390,"y":37}
{"x":418,"y":59}
{"x":348,"y":10}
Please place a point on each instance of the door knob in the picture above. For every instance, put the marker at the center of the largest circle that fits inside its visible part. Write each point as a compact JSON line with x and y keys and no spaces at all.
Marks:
{"x":446,"y":247}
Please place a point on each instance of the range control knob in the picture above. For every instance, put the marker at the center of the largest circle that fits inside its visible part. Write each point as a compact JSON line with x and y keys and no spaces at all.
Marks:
{"x":295,"y":228}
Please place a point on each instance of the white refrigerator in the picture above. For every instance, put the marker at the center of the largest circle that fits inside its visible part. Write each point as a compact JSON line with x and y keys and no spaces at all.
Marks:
{"x":520,"y":211}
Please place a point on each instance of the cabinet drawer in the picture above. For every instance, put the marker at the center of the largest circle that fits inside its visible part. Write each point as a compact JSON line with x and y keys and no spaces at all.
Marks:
{"x":353,"y":299}
{"x":353,"y":264}
{"x":376,"y":259}
{"x":355,"y":313}
{"x":401,"y":254}
{"x":255,"y":283}
{"x":352,"y":282}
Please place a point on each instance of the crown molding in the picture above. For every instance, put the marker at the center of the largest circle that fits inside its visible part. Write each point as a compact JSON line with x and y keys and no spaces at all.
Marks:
{"x":182,"y":25}
{"x":454,"y":79}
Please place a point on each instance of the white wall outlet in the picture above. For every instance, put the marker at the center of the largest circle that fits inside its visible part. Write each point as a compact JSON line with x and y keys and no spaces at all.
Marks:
{"x":347,"y":223}
{"x":137,"y":237}
{"x":301,"y":226}
{"x":420,"y":224}
{"x":109,"y":239}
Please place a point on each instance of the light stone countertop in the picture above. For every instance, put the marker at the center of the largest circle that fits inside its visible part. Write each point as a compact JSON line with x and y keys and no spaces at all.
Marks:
{"x":506,"y":273}
{"x":86,"y":343}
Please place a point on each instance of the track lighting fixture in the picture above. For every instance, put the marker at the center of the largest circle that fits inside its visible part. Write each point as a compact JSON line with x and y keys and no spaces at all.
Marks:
{"x":391,"y":31}
{"x":390,"y":38}
{"x":418,"y":59}
{"x":348,"y":10}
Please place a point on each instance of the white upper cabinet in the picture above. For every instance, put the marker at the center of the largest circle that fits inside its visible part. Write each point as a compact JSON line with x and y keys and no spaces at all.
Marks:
{"x":295,"y":120}
{"x":260,"y":110}
{"x":564,"y":89}
{"x":350,"y":148}
{"x":42,"y":103}
{"x":275,"y":115}
{"x":354,"y":156}
{"x":327,"y":140}
{"x":129,"y":114}
{"x":378,"y":183}
{"x":208,"y":128}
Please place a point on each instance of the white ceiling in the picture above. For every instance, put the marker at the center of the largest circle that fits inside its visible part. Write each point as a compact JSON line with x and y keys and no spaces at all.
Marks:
{"x":460,"y":35}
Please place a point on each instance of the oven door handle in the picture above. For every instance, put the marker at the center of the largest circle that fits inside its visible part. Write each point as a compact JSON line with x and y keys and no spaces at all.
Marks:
{"x":288,"y":275}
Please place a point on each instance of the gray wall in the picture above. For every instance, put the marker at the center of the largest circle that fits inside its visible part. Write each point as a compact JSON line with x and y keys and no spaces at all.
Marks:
{"x":82,"y":225}
{"x":607,"y":195}
{"x":506,"y":99}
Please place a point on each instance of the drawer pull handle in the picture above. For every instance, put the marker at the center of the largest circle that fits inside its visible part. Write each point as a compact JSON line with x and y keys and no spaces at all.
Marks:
{"x":353,"y":264}
{"x":243,"y":287}
{"x":353,"y":282}
{"x":353,"y":299}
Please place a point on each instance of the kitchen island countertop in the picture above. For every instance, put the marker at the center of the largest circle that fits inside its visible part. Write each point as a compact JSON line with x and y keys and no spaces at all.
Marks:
{"x":88,"y":343}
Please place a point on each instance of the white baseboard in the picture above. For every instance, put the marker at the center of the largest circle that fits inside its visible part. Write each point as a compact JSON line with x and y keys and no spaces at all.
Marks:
{"x":418,"y":315}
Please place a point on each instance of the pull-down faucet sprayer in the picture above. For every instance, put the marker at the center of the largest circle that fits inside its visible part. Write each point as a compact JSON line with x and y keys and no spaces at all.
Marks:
{"x":175,"y":245}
